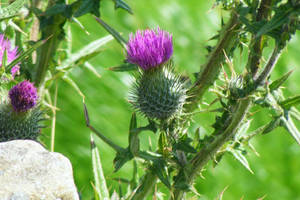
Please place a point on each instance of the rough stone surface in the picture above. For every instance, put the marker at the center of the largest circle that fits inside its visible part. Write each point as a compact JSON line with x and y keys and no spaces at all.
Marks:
{"x":30,"y":172}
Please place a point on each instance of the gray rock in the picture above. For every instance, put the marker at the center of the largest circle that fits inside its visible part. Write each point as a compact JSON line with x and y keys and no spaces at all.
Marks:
{"x":30,"y":172}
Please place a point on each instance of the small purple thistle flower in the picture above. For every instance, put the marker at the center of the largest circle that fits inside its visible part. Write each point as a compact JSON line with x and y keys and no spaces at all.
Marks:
{"x":11,"y":53}
{"x":23,"y":96}
{"x":149,"y":48}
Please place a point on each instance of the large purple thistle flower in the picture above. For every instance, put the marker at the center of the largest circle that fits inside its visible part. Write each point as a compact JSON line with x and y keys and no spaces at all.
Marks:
{"x":23,"y":96}
{"x":11,"y":53}
{"x":149,"y":48}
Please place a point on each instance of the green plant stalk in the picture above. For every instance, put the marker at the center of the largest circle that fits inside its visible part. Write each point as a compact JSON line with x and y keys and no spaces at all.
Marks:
{"x":55,"y":34}
{"x":145,"y":187}
{"x":256,"y":43}
{"x":207,"y":152}
{"x":211,"y":69}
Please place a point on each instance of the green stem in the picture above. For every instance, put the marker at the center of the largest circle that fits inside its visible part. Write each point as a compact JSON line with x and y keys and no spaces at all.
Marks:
{"x":145,"y":187}
{"x":207,"y":152}
{"x":211,"y":69}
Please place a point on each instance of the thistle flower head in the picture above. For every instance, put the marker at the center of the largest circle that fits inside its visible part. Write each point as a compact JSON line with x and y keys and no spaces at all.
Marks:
{"x":11,"y":53}
{"x":149,"y":48}
{"x":23,"y":96}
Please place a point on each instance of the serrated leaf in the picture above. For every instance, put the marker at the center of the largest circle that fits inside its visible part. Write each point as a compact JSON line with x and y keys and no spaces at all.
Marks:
{"x":289,"y":102}
{"x":123,"y":5}
{"x":291,"y":128}
{"x":241,"y":158}
{"x":124,"y":68}
{"x":84,"y":52}
{"x":100,"y":182}
{"x":184,"y":145}
{"x":68,"y":80}
{"x":277,"y":83}
{"x":12,"y":9}
{"x":113,"y":32}
{"x":25,"y":54}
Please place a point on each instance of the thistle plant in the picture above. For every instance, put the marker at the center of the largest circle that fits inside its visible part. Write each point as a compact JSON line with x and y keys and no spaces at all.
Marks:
{"x":37,"y":55}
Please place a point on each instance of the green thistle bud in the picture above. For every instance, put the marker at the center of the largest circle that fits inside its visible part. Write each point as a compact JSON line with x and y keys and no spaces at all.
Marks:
{"x":23,"y":125}
{"x":158,"y":93}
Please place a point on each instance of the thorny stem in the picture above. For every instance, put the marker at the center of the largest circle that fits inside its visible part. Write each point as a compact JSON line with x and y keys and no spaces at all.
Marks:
{"x":210,"y":72}
{"x":145,"y":187}
{"x":256,"y":43}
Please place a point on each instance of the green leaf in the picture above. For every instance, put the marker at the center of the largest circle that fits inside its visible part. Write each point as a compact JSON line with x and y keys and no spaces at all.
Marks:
{"x":160,"y":169}
{"x":289,"y":102}
{"x":290,"y":127}
{"x":85,"y":52}
{"x":88,"y":6}
{"x":277,"y":83}
{"x":68,"y":80}
{"x":241,"y":158}
{"x":134,"y":142}
{"x":272,"y":125}
{"x":184,"y":145}
{"x":124,"y":67}
{"x":11,"y":9}
{"x":113,"y":32}
{"x":25,"y":54}
{"x":295,"y":113}
{"x":101,"y":191}
{"x":123,"y":5}
{"x":121,"y":158}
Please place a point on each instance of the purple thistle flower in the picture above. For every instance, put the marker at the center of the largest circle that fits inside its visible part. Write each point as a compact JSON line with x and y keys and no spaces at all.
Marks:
{"x":149,"y":48}
{"x":11,"y":53}
{"x":23,"y":96}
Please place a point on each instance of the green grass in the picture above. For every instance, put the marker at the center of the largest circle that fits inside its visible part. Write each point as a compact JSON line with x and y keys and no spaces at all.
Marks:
{"x":192,"y":23}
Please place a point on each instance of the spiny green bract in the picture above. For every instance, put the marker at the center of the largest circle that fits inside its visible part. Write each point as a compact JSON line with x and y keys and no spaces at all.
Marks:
{"x":15,"y":126}
{"x":158,"y":93}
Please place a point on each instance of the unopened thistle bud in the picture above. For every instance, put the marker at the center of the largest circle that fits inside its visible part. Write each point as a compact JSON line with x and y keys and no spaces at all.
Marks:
{"x":158,"y":93}
{"x":19,"y":115}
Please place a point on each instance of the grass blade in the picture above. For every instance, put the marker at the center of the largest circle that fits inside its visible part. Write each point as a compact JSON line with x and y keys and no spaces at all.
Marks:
{"x":101,"y":191}
{"x":84,"y":52}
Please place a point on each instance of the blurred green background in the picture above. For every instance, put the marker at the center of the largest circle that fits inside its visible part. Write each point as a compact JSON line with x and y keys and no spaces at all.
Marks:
{"x":192,"y":23}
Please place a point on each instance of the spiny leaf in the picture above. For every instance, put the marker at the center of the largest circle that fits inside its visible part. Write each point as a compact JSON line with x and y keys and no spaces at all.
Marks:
{"x":113,"y":32}
{"x":290,"y":126}
{"x":11,"y":9}
{"x":84,"y":52}
{"x":277,"y":83}
{"x":292,"y":101}
{"x":241,"y":158}
{"x":100,"y":183}
{"x":295,"y":113}
{"x":25,"y":54}
{"x":121,"y":158}
{"x":124,"y":68}
{"x":123,"y":5}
